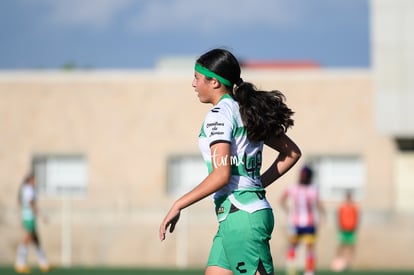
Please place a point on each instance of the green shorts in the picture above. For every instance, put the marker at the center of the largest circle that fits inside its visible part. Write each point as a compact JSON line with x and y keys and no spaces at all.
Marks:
{"x":29,"y":225}
{"x":347,"y":237}
{"x":242,"y":242}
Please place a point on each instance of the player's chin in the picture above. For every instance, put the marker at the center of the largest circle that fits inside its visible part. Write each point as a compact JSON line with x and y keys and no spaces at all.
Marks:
{"x":203,"y":100}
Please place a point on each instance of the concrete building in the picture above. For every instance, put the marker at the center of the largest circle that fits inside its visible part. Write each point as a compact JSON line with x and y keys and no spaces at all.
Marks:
{"x":112,"y":149}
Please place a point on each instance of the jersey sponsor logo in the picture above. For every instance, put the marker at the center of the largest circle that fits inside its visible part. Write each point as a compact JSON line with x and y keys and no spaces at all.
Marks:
{"x":239,"y":267}
{"x":216,"y":133}
{"x":225,"y":160}
{"x":214,"y":124}
{"x":215,"y":109}
{"x":215,"y":128}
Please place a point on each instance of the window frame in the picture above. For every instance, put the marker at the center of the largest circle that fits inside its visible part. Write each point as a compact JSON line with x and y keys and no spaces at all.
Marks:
{"x":184,"y":172}
{"x":332,"y":187}
{"x":48,"y":169}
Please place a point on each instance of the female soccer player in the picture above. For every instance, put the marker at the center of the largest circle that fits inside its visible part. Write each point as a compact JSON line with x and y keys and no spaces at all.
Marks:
{"x":27,"y":200}
{"x":241,"y":120}
{"x":303,"y":218}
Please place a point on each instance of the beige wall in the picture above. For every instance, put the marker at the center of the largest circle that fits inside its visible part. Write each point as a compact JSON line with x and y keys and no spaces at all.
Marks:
{"x":128,"y":123}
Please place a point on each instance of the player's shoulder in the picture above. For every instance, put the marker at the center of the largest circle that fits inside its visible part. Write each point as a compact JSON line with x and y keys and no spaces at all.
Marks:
{"x":27,"y":188}
{"x":225,"y":107}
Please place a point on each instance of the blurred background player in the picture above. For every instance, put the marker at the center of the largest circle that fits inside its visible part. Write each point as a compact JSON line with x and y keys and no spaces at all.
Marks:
{"x":302,"y":204}
{"x":347,"y":219}
{"x":27,"y":201}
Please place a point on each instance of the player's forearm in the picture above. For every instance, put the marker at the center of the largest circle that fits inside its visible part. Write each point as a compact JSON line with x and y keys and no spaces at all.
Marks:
{"x":279,"y":167}
{"x":289,"y":154}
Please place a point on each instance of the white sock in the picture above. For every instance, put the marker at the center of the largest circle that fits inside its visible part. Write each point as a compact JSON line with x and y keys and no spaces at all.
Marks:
{"x":21,"y":255}
{"x":41,"y":256}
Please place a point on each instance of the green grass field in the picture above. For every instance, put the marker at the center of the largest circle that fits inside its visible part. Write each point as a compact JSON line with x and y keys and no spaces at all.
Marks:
{"x":138,"y":271}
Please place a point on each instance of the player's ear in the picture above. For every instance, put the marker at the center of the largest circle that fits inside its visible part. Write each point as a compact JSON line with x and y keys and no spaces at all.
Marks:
{"x":216,"y":84}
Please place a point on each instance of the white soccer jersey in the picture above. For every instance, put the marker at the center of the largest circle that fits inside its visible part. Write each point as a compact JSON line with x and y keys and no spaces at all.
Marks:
{"x":224,"y":124}
{"x":27,"y":196}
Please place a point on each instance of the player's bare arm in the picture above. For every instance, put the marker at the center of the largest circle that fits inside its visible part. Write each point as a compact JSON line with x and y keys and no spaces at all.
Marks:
{"x":217,"y":179}
{"x":289,"y":154}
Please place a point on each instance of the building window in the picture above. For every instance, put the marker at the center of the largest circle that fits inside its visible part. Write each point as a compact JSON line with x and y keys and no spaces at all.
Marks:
{"x":184,"y":172}
{"x":405,"y":144}
{"x":61,"y":175}
{"x":337,"y":174}
{"x":404,"y":175}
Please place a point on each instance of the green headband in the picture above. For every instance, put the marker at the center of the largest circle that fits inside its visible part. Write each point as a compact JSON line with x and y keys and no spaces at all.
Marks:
{"x":206,"y":72}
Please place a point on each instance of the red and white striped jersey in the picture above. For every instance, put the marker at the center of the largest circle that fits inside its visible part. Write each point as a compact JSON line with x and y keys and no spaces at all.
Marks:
{"x":303,"y":201}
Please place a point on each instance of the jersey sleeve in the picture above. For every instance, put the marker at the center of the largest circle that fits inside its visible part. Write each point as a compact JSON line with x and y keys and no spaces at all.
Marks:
{"x":218,"y":126}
